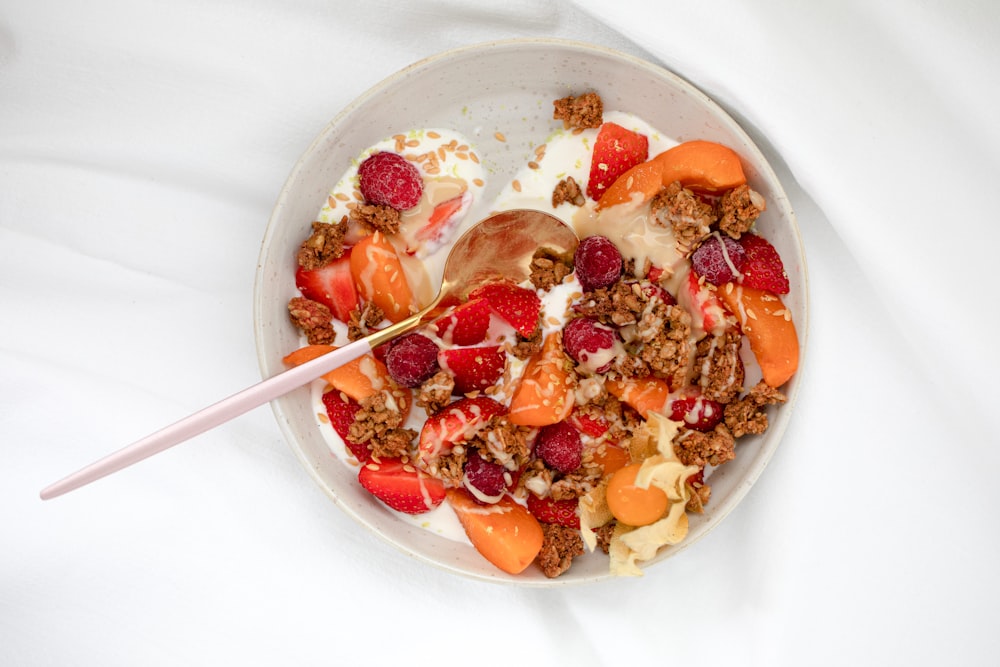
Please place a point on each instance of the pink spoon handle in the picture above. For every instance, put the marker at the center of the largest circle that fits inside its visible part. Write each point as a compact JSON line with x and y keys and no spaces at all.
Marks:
{"x":209,"y":418}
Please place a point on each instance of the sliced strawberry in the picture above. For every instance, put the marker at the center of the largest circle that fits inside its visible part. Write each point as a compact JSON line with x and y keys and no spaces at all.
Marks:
{"x":695,"y":411}
{"x":763,"y":268}
{"x":707,"y":311}
{"x":444,"y":218}
{"x":341,"y":410}
{"x":547,"y":510}
{"x":332,"y":285}
{"x":595,"y":427}
{"x":616,"y":150}
{"x":456,"y":422}
{"x":474,"y":368}
{"x":518,"y":306}
{"x":466,"y":325}
{"x":401,"y":486}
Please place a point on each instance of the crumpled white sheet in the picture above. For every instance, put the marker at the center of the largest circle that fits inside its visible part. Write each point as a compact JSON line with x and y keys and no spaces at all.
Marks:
{"x":142,"y":145}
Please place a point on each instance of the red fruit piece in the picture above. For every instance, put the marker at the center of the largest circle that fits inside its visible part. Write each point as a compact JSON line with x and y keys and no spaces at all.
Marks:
{"x":456,"y":422}
{"x":341,"y":410}
{"x":590,"y":344}
{"x":444,"y":218}
{"x":332,"y":285}
{"x":719,"y":259}
{"x":695,"y":411}
{"x":598,"y":262}
{"x":763,"y":269}
{"x":595,"y":427}
{"x":474,"y":368}
{"x":707,"y":311}
{"x":518,"y":306}
{"x":485,"y":479}
{"x":466,"y":325}
{"x":562,"y":512}
{"x":652,"y":290}
{"x":412,"y":359}
{"x":559,"y":445}
{"x":401,"y":486}
{"x":616,"y":150}
{"x":389,"y":179}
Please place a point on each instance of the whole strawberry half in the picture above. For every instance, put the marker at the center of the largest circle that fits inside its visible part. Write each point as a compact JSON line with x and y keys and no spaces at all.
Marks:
{"x":401,"y":486}
{"x":616,"y":150}
{"x":341,"y":410}
{"x":474,"y":368}
{"x":763,"y":268}
{"x":518,"y":306}
{"x":547,"y":510}
{"x":455,"y":423}
{"x":466,"y":325}
{"x":332,"y":285}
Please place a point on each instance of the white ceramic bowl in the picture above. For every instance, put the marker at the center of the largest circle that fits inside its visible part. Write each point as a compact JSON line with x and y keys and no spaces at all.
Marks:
{"x":505,"y":86}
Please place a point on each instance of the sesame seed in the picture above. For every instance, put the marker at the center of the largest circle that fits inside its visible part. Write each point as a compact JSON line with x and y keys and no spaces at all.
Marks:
{"x":499,"y":136}
{"x":433,"y":135}
{"x":516,"y":184}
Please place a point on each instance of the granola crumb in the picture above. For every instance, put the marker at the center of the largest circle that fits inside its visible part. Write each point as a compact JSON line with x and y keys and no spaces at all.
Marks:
{"x":560,"y":545}
{"x":580,"y":112}
{"x":549,"y":268}
{"x":376,"y":218}
{"x":738,"y":209}
{"x":747,"y":414}
{"x":325,"y":244}
{"x":714,"y":448}
{"x":680,"y":209}
{"x":377,"y":425}
{"x":313,"y":319}
{"x":435,"y":393}
{"x":361,"y":322}
{"x":568,"y":190}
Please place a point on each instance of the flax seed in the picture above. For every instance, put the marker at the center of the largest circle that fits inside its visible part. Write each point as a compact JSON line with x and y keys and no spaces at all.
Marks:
{"x":499,"y":136}
{"x":516,"y":184}
{"x":433,"y":135}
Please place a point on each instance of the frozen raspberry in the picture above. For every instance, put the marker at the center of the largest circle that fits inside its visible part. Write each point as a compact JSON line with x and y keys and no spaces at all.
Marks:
{"x":719,"y":259}
{"x":585,"y":338}
{"x":598,"y":262}
{"x":412,"y":359}
{"x":485,"y":476}
{"x":388,"y":179}
{"x":559,"y":445}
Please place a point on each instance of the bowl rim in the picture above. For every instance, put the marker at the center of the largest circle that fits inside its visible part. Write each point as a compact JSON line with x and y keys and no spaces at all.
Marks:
{"x":777,"y":427}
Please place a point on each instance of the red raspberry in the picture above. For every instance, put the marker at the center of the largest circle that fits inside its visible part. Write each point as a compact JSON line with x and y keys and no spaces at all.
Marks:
{"x":388,"y":179}
{"x":598,"y":262}
{"x":584,"y":337}
{"x":412,"y":359}
{"x":559,"y":445}
{"x":717,"y":257}
{"x":486,"y":477}
{"x":696,"y":411}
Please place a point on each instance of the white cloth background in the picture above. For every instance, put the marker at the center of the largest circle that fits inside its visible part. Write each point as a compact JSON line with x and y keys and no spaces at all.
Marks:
{"x":142,"y":145}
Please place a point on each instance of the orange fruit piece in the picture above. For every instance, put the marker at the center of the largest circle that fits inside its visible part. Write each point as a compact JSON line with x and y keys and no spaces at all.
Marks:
{"x":631,"y":504}
{"x":611,"y":458}
{"x":702,"y":166}
{"x":545,"y":394}
{"x":645,"y":395}
{"x":768,"y":326}
{"x":378,"y":274}
{"x":358,"y":379}
{"x":505,"y":533}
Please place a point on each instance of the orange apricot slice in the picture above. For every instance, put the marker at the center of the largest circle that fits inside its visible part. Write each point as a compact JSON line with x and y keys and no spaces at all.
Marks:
{"x":611,"y":458}
{"x":702,"y":166}
{"x":358,"y":379}
{"x":378,"y":274}
{"x":768,"y":326}
{"x":645,"y":395}
{"x":634,"y":505}
{"x":505,"y":533}
{"x":545,"y":395}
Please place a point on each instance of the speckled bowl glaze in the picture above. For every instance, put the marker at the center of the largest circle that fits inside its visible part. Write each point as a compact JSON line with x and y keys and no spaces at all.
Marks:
{"x":507,"y":87}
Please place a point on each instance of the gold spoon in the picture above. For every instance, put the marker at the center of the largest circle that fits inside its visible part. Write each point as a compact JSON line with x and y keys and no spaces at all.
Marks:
{"x":500,"y":246}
